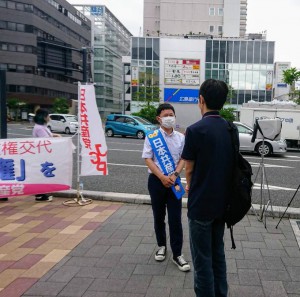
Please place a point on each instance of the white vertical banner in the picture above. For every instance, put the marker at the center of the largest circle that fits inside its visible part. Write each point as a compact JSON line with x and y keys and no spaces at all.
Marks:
{"x":269,"y":80}
{"x":92,"y":137}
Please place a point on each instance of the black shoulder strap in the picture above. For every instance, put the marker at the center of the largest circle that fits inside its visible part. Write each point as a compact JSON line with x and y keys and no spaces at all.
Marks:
{"x":232,"y":129}
{"x":233,"y":246}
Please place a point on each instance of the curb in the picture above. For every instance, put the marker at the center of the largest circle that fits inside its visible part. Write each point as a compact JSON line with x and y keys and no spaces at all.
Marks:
{"x":291,"y":213}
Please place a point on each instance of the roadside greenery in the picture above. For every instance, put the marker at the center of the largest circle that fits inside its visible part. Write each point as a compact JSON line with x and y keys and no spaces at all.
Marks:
{"x":149,"y":95}
{"x":148,"y":113}
{"x":290,"y":76}
{"x":60,"y":105}
{"x":15,"y":105}
{"x":228,"y":113}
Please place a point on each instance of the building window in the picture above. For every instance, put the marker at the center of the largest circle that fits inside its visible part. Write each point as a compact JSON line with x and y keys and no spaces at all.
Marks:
{"x":20,"y":27}
{"x":11,"y":26}
{"x":12,"y":47}
{"x":20,"y":6}
{"x":220,"y":29}
{"x":220,"y":11}
{"x":211,"y":29}
{"x":211,"y":11}
{"x":11,"y":5}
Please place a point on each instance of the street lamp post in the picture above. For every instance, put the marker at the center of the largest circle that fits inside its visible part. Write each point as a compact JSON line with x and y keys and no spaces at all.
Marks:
{"x":84,"y":64}
{"x":3,"y":111}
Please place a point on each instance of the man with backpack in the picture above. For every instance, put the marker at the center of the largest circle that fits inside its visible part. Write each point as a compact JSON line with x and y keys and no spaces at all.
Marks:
{"x":209,"y":156}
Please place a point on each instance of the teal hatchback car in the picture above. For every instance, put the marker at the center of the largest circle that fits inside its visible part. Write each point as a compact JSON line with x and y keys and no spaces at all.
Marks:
{"x":126,"y":125}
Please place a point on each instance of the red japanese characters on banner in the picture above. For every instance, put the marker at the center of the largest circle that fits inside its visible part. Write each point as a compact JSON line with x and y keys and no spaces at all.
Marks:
{"x":35,"y":165}
{"x":92,"y":138}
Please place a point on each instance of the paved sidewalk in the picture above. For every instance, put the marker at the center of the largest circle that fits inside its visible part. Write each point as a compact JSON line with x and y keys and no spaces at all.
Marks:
{"x":34,"y":237}
{"x":106,"y":249}
{"x":117,"y":260}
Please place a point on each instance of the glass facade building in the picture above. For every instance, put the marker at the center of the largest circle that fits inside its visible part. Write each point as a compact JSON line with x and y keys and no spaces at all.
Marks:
{"x":110,"y":41}
{"x":36,"y":42}
{"x":245,"y":65}
{"x":145,"y":68}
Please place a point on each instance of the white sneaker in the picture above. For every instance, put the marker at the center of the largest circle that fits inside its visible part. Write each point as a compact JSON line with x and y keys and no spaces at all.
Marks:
{"x":181,"y":263}
{"x":160,"y":255}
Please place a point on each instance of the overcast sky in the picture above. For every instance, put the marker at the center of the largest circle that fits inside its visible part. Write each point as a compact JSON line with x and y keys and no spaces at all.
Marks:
{"x":281,"y":19}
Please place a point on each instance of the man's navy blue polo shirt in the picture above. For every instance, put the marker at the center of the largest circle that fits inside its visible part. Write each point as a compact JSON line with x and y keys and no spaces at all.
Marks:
{"x":208,"y":143}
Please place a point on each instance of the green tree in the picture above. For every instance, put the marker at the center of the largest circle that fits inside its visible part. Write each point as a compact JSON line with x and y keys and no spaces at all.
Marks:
{"x":14,"y":105}
{"x":297,"y":97}
{"x":60,"y":105}
{"x":290,"y":76}
{"x":148,"y":94}
{"x":231,"y":93}
{"x":228,"y":113}
{"x":148,"y":113}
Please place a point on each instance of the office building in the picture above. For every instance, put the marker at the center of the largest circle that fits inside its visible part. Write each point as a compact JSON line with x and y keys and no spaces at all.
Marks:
{"x":178,"y":66}
{"x":227,"y":18}
{"x":110,"y":41}
{"x":36,"y":42}
{"x":245,"y":65}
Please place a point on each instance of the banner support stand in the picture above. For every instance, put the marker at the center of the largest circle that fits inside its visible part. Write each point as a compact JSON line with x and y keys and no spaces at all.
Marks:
{"x":80,"y":200}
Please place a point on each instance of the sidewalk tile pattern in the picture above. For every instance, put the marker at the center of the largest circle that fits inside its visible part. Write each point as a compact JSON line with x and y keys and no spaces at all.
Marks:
{"x":112,"y":254}
{"x":117,"y":260}
{"x":34,"y":237}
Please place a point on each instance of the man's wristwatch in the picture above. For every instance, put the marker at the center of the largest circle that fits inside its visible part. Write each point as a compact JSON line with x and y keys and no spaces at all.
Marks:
{"x":176,"y":173}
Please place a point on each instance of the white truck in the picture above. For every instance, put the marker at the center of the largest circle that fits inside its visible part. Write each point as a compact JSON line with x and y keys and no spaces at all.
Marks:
{"x":288,"y":112}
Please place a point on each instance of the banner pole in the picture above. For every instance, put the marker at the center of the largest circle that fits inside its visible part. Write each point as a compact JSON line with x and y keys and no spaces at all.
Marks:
{"x":78,"y":145}
{"x":79,"y":200}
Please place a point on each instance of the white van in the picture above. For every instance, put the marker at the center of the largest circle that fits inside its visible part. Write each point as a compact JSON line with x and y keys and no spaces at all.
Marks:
{"x":66,"y":123}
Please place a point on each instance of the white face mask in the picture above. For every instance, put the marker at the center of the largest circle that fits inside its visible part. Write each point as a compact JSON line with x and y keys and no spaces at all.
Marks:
{"x":168,"y":122}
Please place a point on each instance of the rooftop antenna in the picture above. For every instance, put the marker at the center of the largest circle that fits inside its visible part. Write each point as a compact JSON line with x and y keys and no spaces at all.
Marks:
{"x":140,"y":34}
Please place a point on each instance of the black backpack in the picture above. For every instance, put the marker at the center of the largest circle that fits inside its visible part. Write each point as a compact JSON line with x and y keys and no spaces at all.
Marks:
{"x":240,"y":197}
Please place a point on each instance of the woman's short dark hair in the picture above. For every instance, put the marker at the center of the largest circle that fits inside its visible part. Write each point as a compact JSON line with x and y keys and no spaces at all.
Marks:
{"x":40,"y":116}
{"x":164,"y":106}
{"x":214,"y":93}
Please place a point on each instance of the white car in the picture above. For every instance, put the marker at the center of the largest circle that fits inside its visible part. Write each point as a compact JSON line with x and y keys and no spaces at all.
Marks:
{"x":66,"y":123}
{"x":269,"y":147}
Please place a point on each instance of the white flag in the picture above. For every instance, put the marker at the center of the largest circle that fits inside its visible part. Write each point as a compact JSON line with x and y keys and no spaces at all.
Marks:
{"x":92,"y":138}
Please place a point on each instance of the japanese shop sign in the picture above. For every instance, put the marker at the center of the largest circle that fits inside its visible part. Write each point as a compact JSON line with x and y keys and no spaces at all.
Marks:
{"x":35,"y":165}
{"x":181,"y":95}
{"x":182,"y":72}
{"x":93,"y":144}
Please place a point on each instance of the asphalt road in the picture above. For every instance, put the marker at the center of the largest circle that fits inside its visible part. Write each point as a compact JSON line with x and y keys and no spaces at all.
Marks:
{"x":128,"y":173}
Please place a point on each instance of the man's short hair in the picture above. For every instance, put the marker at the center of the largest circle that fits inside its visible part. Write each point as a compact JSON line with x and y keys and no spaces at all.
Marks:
{"x":164,"y":106}
{"x":214,"y":93}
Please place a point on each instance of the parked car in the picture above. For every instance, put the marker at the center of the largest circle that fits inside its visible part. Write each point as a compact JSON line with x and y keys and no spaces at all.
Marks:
{"x":66,"y":123}
{"x":126,"y":125}
{"x":267,"y":148}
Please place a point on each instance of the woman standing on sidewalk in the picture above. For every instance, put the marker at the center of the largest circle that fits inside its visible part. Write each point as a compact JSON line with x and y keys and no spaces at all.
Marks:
{"x":40,"y":129}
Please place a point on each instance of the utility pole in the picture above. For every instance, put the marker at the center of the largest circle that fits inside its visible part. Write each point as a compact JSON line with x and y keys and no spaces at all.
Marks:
{"x":3,"y":111}
{"x":84,"y":64}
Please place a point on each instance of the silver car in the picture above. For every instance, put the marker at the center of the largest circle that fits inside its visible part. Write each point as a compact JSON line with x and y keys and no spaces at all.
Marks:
{"x":269,"y":147}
